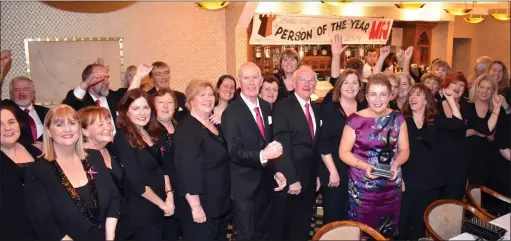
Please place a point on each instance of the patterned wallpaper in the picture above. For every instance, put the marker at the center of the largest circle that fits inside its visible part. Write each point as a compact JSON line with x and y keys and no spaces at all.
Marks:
{"x":191,"y":40}
{"x":491,"y":38}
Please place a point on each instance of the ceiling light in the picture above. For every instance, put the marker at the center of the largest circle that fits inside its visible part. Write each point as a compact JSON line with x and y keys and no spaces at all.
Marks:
{"x":460,"y":11}
{"x":336,"y":3}
{"x":410,"y":5}
{"x":501,"y":16}
{"x":212,"y":5}
{"x":473,"y":19}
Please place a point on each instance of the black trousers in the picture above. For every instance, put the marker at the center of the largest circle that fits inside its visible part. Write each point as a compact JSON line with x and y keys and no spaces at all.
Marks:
{"x":493,"y":205}
{"x":171,"y":230}
{"x":335,"y":203}
{"x":252,"y":218}
{"x":153,"y":232}
{"x":211,"y":230}
{"x":293,"y":215}
{"x":454,"y":190}
{"x":413,"y":204}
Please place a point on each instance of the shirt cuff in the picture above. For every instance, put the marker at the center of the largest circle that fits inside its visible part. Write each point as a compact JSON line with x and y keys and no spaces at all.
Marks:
{"x":79,"y":92}
{"x":263,"y":161}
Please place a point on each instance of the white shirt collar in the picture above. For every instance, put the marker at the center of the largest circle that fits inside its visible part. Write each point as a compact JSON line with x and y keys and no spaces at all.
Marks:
{"x":94,"y":98}
{"x":31,"y":108}
{"x":250,"y":105}
{"x":301,"y":101}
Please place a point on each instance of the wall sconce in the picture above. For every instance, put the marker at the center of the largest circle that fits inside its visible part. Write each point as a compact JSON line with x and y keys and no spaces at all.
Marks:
{"x":336,"y":3}
{"x":410,"y":5}
{"x":502,"y":16}
{"x":460,"y":11}
{"x":212,"y":5}
{"x":473,"y":20}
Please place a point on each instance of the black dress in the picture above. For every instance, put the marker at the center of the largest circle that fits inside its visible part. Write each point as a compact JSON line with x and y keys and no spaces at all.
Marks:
{"x":283,"y":91}
{"x":117,"y":174}
{"x":499,"y":179}
{"x":202,"y":168}
{"x":422,"y":173}
{"x":335,"y":199}
{"x":14,"y":220}
{"x":482,"y":151}
{"x":144,"y":168}
{"x":56,"y":208}
{"x":170,"y":224}
{"x":452,"y":146}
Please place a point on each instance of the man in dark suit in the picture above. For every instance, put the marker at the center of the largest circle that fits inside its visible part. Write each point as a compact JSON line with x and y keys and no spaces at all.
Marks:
{"x":160,"y":75}
{"x":246,"y":124}
{"x":30,"y":115}
{"x":296,"y":125}
{"x":94,"y":90}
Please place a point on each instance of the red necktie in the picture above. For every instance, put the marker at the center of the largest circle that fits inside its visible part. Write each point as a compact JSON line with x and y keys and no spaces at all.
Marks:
{"x":98,"y":102}
{"x":33,"y":128}
{"x":259,"y":121}
{"x":309,"y":120}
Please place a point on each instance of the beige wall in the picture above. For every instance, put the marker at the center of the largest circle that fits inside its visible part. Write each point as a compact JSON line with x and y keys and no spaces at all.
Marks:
{"x":491,"y":38}
{"x":191,"y":40}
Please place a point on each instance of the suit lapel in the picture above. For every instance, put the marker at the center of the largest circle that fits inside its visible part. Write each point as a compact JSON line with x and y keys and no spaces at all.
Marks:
{"x":249,"y":118}
{"x":112,"y":104}
{"x":301,"y":116}
{"x":315,"y":108}
{"x":266,"y":112}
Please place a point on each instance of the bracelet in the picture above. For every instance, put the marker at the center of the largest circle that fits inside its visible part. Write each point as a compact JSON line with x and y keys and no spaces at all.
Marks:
{"x":495,"y":114}
{"x":356,"y":164}
{"x":172,"y":191}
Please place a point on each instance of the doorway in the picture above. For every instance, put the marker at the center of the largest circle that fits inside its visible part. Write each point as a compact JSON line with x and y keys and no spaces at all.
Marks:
{"x":461,"y":55}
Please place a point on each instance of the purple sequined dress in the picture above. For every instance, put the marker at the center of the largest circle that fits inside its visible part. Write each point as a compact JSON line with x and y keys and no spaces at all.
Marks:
{"x":375,"y":202}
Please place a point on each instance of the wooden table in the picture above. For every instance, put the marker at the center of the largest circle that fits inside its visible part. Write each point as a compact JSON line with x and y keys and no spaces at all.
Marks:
{"x":502,"y":222}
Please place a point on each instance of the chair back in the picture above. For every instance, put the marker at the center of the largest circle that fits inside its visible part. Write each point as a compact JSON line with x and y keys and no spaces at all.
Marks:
{"x":444,"y":218}
{"x":474,"y":193}
{"x":346,"y":230}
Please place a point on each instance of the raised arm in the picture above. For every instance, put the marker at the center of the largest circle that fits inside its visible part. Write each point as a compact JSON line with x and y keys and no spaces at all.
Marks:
{"x":384,"y":53}
{"x":337,"y":50}
{"x":143,"y":71}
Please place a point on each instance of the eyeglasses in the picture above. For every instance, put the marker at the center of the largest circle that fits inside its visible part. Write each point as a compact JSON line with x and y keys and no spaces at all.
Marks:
{"x":310,"y":81}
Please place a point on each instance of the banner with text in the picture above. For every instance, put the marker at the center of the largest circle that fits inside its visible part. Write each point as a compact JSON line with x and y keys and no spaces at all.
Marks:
{"x":299,"y":29}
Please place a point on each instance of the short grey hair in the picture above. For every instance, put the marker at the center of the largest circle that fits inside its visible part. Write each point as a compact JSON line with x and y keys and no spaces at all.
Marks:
{"x":482,"y":63}
{"x":302,"y":68}
{"x":11,"y":84}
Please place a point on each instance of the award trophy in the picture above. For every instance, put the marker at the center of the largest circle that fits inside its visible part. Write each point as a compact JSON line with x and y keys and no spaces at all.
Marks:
{"x":382,"y":168}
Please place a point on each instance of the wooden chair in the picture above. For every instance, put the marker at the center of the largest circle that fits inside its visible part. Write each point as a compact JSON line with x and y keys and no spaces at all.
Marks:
{"x":346,"y":230}
{"x":474,"y":193}
{"x":444,"y":218}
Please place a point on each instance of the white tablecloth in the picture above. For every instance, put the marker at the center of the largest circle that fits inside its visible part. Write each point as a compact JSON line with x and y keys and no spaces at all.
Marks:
{"x":502,"y":222}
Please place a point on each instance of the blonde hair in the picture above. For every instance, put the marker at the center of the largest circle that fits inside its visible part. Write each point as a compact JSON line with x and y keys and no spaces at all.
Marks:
{"x":194,"y":88}
{"x":407,"y":76}
{"x":441,"y":64}
{"x":504,"y":82}
{"x":474,"y":90}
{"x":128,"y":70}
{"x":57,"y":113}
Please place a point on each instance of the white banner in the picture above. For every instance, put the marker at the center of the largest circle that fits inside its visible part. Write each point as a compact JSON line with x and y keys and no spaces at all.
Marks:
{"x":299,"y":29}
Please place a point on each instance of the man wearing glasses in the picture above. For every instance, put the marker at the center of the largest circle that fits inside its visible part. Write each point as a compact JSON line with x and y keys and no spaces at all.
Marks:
{"x":296,"y":124}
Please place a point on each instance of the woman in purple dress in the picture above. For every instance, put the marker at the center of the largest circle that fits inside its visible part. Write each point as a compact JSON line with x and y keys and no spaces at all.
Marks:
{"x":367,"y":136}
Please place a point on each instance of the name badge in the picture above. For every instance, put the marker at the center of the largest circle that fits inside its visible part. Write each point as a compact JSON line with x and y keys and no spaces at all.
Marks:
{"x":320,"y":123}
{"x":269,"y":120}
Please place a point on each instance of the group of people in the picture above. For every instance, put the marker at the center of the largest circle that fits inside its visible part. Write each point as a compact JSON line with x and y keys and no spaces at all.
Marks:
{"x":165,"y":165}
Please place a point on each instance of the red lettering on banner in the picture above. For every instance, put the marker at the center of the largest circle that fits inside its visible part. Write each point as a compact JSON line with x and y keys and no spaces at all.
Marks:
{"x":379,"y":30}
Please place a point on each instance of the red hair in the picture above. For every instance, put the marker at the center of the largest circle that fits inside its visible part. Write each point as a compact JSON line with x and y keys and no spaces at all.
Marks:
{"x":453,"y":77}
